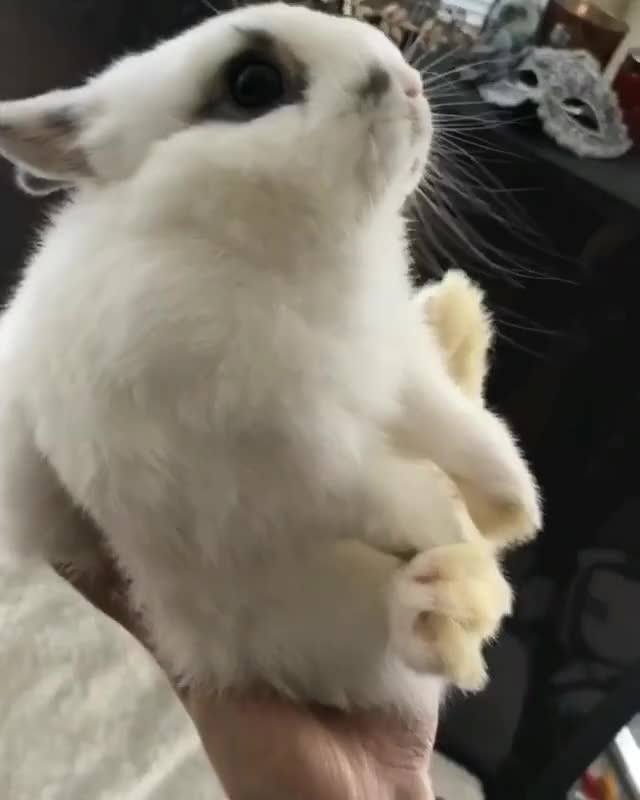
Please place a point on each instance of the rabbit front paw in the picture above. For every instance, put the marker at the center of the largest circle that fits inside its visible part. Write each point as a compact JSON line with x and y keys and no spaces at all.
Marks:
{"x":445,"y":604}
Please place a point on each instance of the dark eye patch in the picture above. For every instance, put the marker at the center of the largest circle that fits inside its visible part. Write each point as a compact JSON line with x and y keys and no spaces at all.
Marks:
{"x":260,"y":78}
{"x":375,"y":85}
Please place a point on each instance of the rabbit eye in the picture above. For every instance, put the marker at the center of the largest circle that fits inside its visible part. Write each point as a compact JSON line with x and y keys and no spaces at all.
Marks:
{"x":262,"y":77}
{"x":256,"y":85}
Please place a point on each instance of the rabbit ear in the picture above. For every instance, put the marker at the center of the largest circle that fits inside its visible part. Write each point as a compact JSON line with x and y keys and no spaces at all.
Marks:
{"x":36,"y":185}
{"x":41,"y":136}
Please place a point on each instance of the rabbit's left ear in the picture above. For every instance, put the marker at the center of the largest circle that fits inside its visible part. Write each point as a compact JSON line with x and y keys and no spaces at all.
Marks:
{"x":41,"y":137}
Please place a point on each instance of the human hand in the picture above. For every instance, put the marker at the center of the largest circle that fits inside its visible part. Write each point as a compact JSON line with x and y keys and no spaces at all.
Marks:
{"x":264,"y":747}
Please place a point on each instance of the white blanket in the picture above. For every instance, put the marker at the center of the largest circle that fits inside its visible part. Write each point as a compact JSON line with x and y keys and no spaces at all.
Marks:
{"x":85,"y":714}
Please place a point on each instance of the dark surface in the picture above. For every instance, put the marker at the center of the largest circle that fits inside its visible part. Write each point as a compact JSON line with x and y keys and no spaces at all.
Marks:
{"x":567,"y":667}
{"x":613,"y":182}
{"x":40,"y":49}
{"x":554,"y":240}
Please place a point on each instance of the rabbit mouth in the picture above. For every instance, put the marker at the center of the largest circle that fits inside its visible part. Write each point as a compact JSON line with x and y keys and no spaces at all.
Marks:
{"x":419,"y":115}
{"x":419,"y":128}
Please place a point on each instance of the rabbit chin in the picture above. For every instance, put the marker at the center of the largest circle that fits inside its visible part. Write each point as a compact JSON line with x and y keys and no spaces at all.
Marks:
{"x":396,"y":153}
{"x":396,"y":176}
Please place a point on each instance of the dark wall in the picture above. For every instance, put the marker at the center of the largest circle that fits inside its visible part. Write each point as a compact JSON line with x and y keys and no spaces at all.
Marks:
{"x":47,"y":44}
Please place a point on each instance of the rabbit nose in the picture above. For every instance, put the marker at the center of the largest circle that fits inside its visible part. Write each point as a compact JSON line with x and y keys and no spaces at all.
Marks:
{"x":412,"y":85}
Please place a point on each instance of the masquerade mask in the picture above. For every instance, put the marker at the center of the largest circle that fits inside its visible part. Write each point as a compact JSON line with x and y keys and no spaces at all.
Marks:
{"x":576,"y":106}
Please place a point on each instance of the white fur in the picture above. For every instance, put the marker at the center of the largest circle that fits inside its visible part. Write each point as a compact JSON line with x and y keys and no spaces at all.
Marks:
{"x":208,"y":353}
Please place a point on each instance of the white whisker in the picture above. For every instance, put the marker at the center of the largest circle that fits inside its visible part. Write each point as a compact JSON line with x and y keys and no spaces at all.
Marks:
{"x":209,"y":5}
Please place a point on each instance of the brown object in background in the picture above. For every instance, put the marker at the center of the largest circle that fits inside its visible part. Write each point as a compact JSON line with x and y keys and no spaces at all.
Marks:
{"x":581,"y":25}
{"x":617,"y":8}
{"x":627,"y":87}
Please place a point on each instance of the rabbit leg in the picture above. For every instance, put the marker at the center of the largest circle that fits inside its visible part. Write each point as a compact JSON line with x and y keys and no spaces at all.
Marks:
{"x":411,"y":506}
{"x":473,"y":446}
{"x":451,"y":595}
{"x":351,"y":615}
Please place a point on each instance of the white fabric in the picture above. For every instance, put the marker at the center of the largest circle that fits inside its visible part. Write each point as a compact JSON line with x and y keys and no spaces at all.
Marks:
{"x":451,"y":782}
{"x":85,"y":714}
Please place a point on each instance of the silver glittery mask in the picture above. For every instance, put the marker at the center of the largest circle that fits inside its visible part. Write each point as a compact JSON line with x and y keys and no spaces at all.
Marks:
{"x":577,"y":107}
{"x":575,"y":104}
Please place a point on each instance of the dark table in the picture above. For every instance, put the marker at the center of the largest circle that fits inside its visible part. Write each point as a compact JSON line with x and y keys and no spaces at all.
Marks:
{"x":612,"y":183}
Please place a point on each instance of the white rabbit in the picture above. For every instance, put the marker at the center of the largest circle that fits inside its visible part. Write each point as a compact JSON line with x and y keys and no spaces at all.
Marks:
{"x":215,"y":357}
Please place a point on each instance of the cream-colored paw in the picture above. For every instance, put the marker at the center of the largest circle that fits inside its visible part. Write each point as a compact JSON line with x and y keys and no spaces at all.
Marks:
{"x":502,"y":496}
{"x":454,"y":309}
{"x":445,"y":604}
{"x":506,"y":523}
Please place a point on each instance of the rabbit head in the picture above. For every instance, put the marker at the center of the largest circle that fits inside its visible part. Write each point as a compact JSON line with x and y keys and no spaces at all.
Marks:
{"x":278,"y":97}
